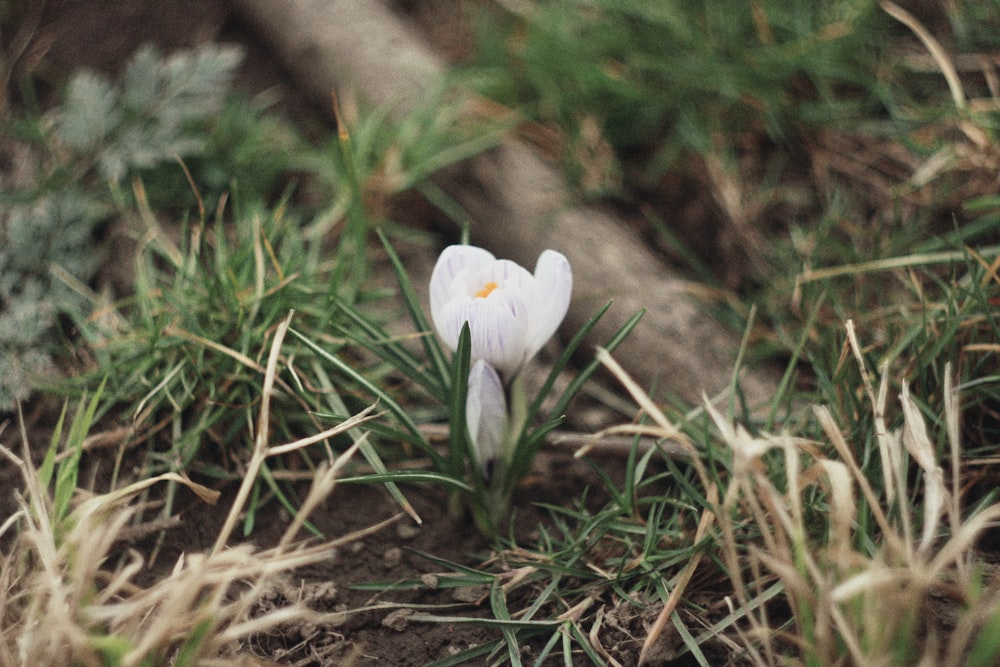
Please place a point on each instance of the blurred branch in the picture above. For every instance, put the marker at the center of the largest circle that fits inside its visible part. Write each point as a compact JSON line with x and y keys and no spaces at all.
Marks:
{"x":520,"y":205}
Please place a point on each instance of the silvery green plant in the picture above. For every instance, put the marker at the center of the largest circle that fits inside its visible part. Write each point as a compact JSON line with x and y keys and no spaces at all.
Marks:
{"x":52,"y":212}
{"x":491,"y":317}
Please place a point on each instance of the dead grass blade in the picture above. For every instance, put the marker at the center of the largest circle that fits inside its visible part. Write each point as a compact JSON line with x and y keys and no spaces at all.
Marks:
{"x":261,"y":449}
{"x":60,"y":604}
{"x":857,"y":598}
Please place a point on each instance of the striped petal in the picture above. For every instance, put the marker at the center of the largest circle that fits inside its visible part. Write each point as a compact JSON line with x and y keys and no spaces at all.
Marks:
{"x":453,"y":261}
{"x":511,"y":312}
{"x":498,"y":326}
{"x":486,"y":414}
{"x":550,"y":296}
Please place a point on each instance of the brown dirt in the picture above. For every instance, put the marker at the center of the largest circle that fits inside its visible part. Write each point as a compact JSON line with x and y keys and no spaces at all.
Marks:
{"x":397,"y":553}
{"x":401,"y":552}
{"x":368,"y":638}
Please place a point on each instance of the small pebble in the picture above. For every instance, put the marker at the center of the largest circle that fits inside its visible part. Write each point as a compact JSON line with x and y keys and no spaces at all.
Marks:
{"x":398,"y":620}
{"x":407,"y":531}
{"x":392,"y":557}
{"x":469,"y":593}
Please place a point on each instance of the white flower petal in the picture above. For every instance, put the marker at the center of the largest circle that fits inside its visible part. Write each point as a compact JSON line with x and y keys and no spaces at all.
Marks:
{"x":504,"y":274}
{"x":453,"y":261}
{"x":549,"y":299}
{"x":498,"y":326}
{"x":511,"y":313}
{"x":486,"y":413}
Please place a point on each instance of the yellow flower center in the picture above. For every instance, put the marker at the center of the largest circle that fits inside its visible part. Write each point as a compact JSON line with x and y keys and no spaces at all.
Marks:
{"x":485,"y":291}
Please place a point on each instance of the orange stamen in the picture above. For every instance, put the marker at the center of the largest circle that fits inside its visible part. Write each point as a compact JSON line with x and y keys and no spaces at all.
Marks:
{"x":487,"y":288}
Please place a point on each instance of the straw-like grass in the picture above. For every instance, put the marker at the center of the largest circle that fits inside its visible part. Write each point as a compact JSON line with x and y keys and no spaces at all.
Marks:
{"x":873,"y":571}
{"x":62,"y":602}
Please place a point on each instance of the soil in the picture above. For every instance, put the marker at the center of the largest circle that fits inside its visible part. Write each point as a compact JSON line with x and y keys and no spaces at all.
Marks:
{"x":354,"y":578}
{"x":400,"y":552}
{"x":390,"y":555}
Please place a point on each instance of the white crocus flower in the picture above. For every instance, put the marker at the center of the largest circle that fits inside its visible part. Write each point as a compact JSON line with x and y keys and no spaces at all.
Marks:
{"x":511,"y":313}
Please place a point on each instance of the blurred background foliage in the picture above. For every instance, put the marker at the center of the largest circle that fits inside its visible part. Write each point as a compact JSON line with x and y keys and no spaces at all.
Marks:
{"x":660,"y":80}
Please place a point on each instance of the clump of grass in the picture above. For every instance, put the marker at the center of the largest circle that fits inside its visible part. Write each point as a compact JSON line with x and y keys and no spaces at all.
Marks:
{"x":63,"y":602}
{"x":590,"y":583}
{"x":869,"y":545}
{"x":210,"y":293}
{"x":649,"y":82}
{"x":848,"y":537}
{"x":875,"y":571}
{"x":183,"y":353}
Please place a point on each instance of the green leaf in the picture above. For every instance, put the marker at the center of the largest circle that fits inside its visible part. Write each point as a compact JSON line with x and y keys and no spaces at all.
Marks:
{"x":384,"y":398}
{"x":412,"y":301}
{"x":375,"y":340}
{"x":68,"y":471}
{"x":351,"y":268}
{"x":408,"y":476}
{"x":531,"y":438}
{"x":47,"y":468}
{"x":368,"y":451}
{"x":563,"y":361}
{"x":985,"y":650}
{"x":460,"y":447}
{"x":484,"y":622}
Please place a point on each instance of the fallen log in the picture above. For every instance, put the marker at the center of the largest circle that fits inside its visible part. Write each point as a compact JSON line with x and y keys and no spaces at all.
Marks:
{"x":519,"y":204}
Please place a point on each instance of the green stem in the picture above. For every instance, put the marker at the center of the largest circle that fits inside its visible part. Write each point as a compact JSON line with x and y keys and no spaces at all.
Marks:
{"x":517,"y":409}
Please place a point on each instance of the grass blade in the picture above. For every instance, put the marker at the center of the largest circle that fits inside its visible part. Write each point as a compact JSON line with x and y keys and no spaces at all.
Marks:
{"x":387,"y":349}
{"x":531,"y":441}
{"x":367,"y":449}
{"x":412,"y":301}
{"x":376,"y":391}
{"x":460,"y":447}
{"x":563,"y":361}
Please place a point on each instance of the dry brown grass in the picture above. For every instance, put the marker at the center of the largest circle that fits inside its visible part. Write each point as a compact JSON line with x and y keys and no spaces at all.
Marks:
{"x":67,"y":585}
{"x":870,"y":571}
{"x":903,"y":590}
